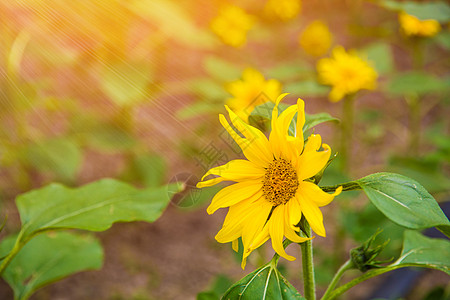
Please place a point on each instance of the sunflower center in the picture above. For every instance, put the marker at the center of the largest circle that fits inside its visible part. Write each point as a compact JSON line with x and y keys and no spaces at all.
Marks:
{"x":280,"y":182}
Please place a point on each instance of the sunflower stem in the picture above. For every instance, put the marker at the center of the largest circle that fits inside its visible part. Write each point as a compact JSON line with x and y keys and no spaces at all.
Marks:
{"x":346,"y":266}
{"x":347,"y":130}
{"x":309,"y":286}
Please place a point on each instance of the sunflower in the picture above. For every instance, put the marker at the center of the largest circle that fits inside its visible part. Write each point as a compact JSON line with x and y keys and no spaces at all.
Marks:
{"x":273,"y":186}
{"x":412,"y":26}
{"x":347,"y":73}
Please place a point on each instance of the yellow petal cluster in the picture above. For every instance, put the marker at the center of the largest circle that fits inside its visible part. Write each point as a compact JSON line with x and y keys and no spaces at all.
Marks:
{"x":283,"y":9}
{"x":232,"y":25}
{"x":259,"y":210}
{"x":316,"y":39}
{"x":252,"y":90}
{"x":412,"y":26}
{"x":346,"y":73}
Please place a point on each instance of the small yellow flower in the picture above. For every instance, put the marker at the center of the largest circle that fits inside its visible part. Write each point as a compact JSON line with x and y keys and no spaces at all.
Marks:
{"x":271,"y":189}
{"x":316,"y":39}
{"x":347,"y":73}
{"x":283,"y":9}
{"x":232,"y":25}
{"x":412,"y":26}
{"x":251,"y":91}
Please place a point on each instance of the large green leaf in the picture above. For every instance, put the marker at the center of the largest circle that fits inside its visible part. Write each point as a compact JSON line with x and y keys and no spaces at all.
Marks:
{"x":95,"y":206}
{"x":404,"y":201}
{"x":61,"y":156}
{"x":264,"y":283}
{"x":50,"y":257}
{"x":421,"y":251}
{"x":437,"y":10}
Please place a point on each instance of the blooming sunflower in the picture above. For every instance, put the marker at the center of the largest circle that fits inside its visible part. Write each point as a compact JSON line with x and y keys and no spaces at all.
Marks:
{"x":412,"y":26}
{"x":316,"y":38}
{"x":251,"y":91}
{"x":232,"y":24}
{"x":272,"y":186}
{"x":347,"y":73}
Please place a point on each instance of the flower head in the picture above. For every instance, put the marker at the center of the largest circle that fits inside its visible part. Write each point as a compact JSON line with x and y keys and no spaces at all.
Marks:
{"x":316,"y":38}
{"x":251,"y":91}
{"x":232,"y":24}
{"x":283,"y":9}
{"x":271,"y":188}
{"x":347,"y":73}
{"x":412,"y":26}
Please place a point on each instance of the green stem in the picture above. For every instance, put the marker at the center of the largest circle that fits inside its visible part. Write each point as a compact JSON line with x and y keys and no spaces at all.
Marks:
{"x":17,"y":246}
{"x":369,"y":274}
{"x":347,"y":130}
{"x":346,"y":266}
{"x":348,"y":186}
{"x":309,"y":287}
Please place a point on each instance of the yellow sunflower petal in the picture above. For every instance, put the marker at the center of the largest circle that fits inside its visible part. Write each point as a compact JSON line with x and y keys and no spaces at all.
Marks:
{"x":256,"y":138}
{"x":311,"y":162}
{"x":276,"y":231}
{"x":260,"y":239}
{"x":209,"y":182}
{"x":300,"y":124}
{"x":234,"y":193}
{"x":251,"y":151}
{"x":295,"y":213}
{"x":236,"y":216}
{"x":289,"y":232}
{"x":235,"y":245}
{"x":311,"y":191}
{"x":312,"y":214}
{"x":237,"y":170}
{"x":255,"y":222}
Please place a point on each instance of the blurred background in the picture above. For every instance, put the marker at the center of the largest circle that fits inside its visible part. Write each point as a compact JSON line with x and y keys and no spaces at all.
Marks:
{"x":132,"y":90}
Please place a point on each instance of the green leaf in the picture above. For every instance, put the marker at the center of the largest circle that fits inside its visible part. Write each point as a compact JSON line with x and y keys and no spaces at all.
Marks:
{"x":415,"y":82}
{"x":126,"y":83}
{"x":264,"y":283}
{"x":404,"y":201}
{"x":381,"y":56}
{"x":421,"y":251}
{"x":306,"y":88}
{"x":95,"y":206}
{"x":48,"y":258}
{"x":221,"y":69}
{"x":316,"y":119}
{"x":437,"y":10}
{"x":62,"y":156}
{"x":443,"y":39}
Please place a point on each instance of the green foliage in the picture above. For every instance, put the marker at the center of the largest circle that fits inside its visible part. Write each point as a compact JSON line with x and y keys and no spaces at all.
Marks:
{"x":417,"y":82}
{"x":404,"y":201}
{"x":380,"y":55}
{"x":421,"y":251}
{"x":221,"y":284}
{"x":95,"y":206}
{"x":437,"y":10}
{"x":147,"y":169}
{"x":62,"y":156}
{"x":263,"y":283}
{"x":48,"y":258}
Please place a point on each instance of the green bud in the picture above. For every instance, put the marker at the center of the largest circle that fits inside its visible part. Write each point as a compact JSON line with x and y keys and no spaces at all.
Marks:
{"x":363,"y":257}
